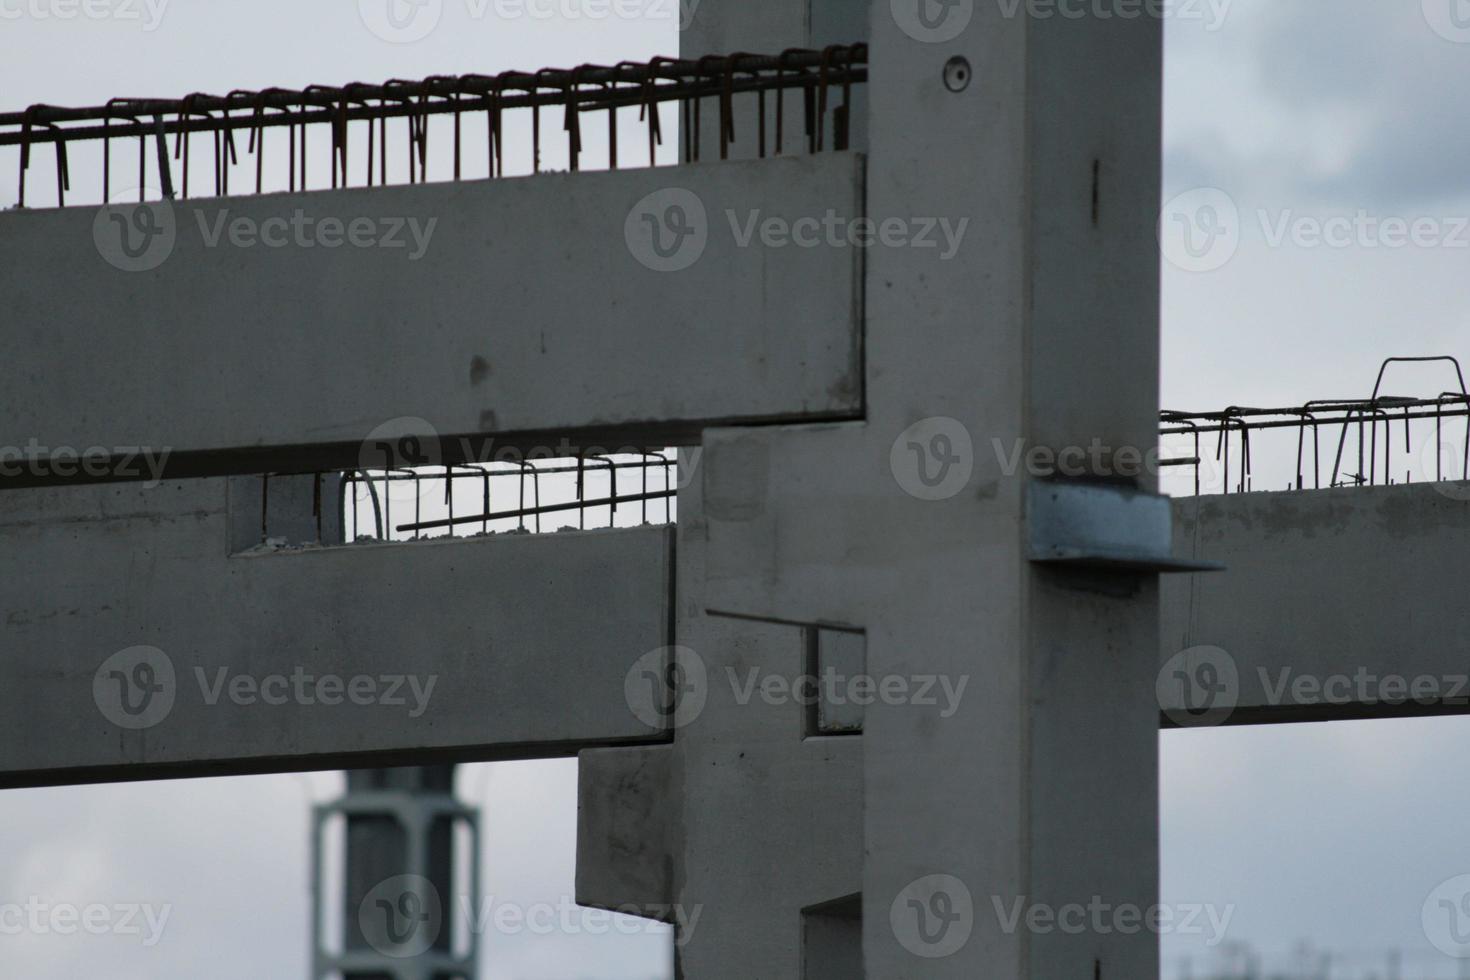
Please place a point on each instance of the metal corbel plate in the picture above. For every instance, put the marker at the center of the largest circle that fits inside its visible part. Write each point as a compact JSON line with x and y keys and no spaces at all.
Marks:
{"x":1109,"y":527}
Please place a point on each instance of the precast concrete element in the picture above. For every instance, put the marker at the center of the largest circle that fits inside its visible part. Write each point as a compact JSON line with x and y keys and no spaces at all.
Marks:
{"x":911,"y":527}
{"x":1336,"y":604}
{"x":137,"y":647}
{"x":745,"y":822}
{"x":306,"y":332}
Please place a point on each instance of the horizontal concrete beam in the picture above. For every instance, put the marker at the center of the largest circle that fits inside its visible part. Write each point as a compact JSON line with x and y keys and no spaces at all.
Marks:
{"x":300,"y":332}
{"x":513,"y":646}
{"x":1331,"y":599}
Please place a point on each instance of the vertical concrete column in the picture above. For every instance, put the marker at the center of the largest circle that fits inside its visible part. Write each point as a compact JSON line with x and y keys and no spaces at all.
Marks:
{"x":1011,"y":306}
{"x":770,"y":819}
{"x":770,"y":816}
{"x":1040,"y":331}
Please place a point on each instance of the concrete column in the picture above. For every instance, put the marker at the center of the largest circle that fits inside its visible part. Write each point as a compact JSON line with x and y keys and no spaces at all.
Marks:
{"x":1035,"y":325}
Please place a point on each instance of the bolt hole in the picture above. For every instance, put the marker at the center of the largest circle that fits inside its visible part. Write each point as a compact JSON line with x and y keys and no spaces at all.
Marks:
{"x":957,"y":74}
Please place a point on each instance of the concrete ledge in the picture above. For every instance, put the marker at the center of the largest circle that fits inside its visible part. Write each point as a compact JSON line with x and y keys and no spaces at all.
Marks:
{"x":1353,"y":586}
{"x":626,"y":814}
{"x":527,"y":640}
{"x":529,"y":318}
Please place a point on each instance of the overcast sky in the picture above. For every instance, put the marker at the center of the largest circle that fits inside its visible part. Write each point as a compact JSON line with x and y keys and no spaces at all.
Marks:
{"x":1292,"y":109}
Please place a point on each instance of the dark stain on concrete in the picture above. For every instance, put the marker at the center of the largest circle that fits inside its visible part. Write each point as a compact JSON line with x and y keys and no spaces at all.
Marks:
{"x":479,"y":370}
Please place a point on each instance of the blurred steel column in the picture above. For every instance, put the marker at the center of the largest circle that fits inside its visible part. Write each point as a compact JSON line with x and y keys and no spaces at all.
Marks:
{"x":399,"y":896}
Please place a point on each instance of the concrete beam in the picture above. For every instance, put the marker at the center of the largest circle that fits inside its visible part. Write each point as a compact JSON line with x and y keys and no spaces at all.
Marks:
{"x":535,"y":313}
{"x":526,"y":640}
{"x":1331,"y":599}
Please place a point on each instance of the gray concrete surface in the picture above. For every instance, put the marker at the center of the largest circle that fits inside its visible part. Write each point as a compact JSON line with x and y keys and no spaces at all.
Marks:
{"x":1334,"y":605}
{"x":528,"y":638}
{"x":526,"y":318}
{"x":810,"y":524}
{"x":756,"y":822}
{"x":627,"y":809}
